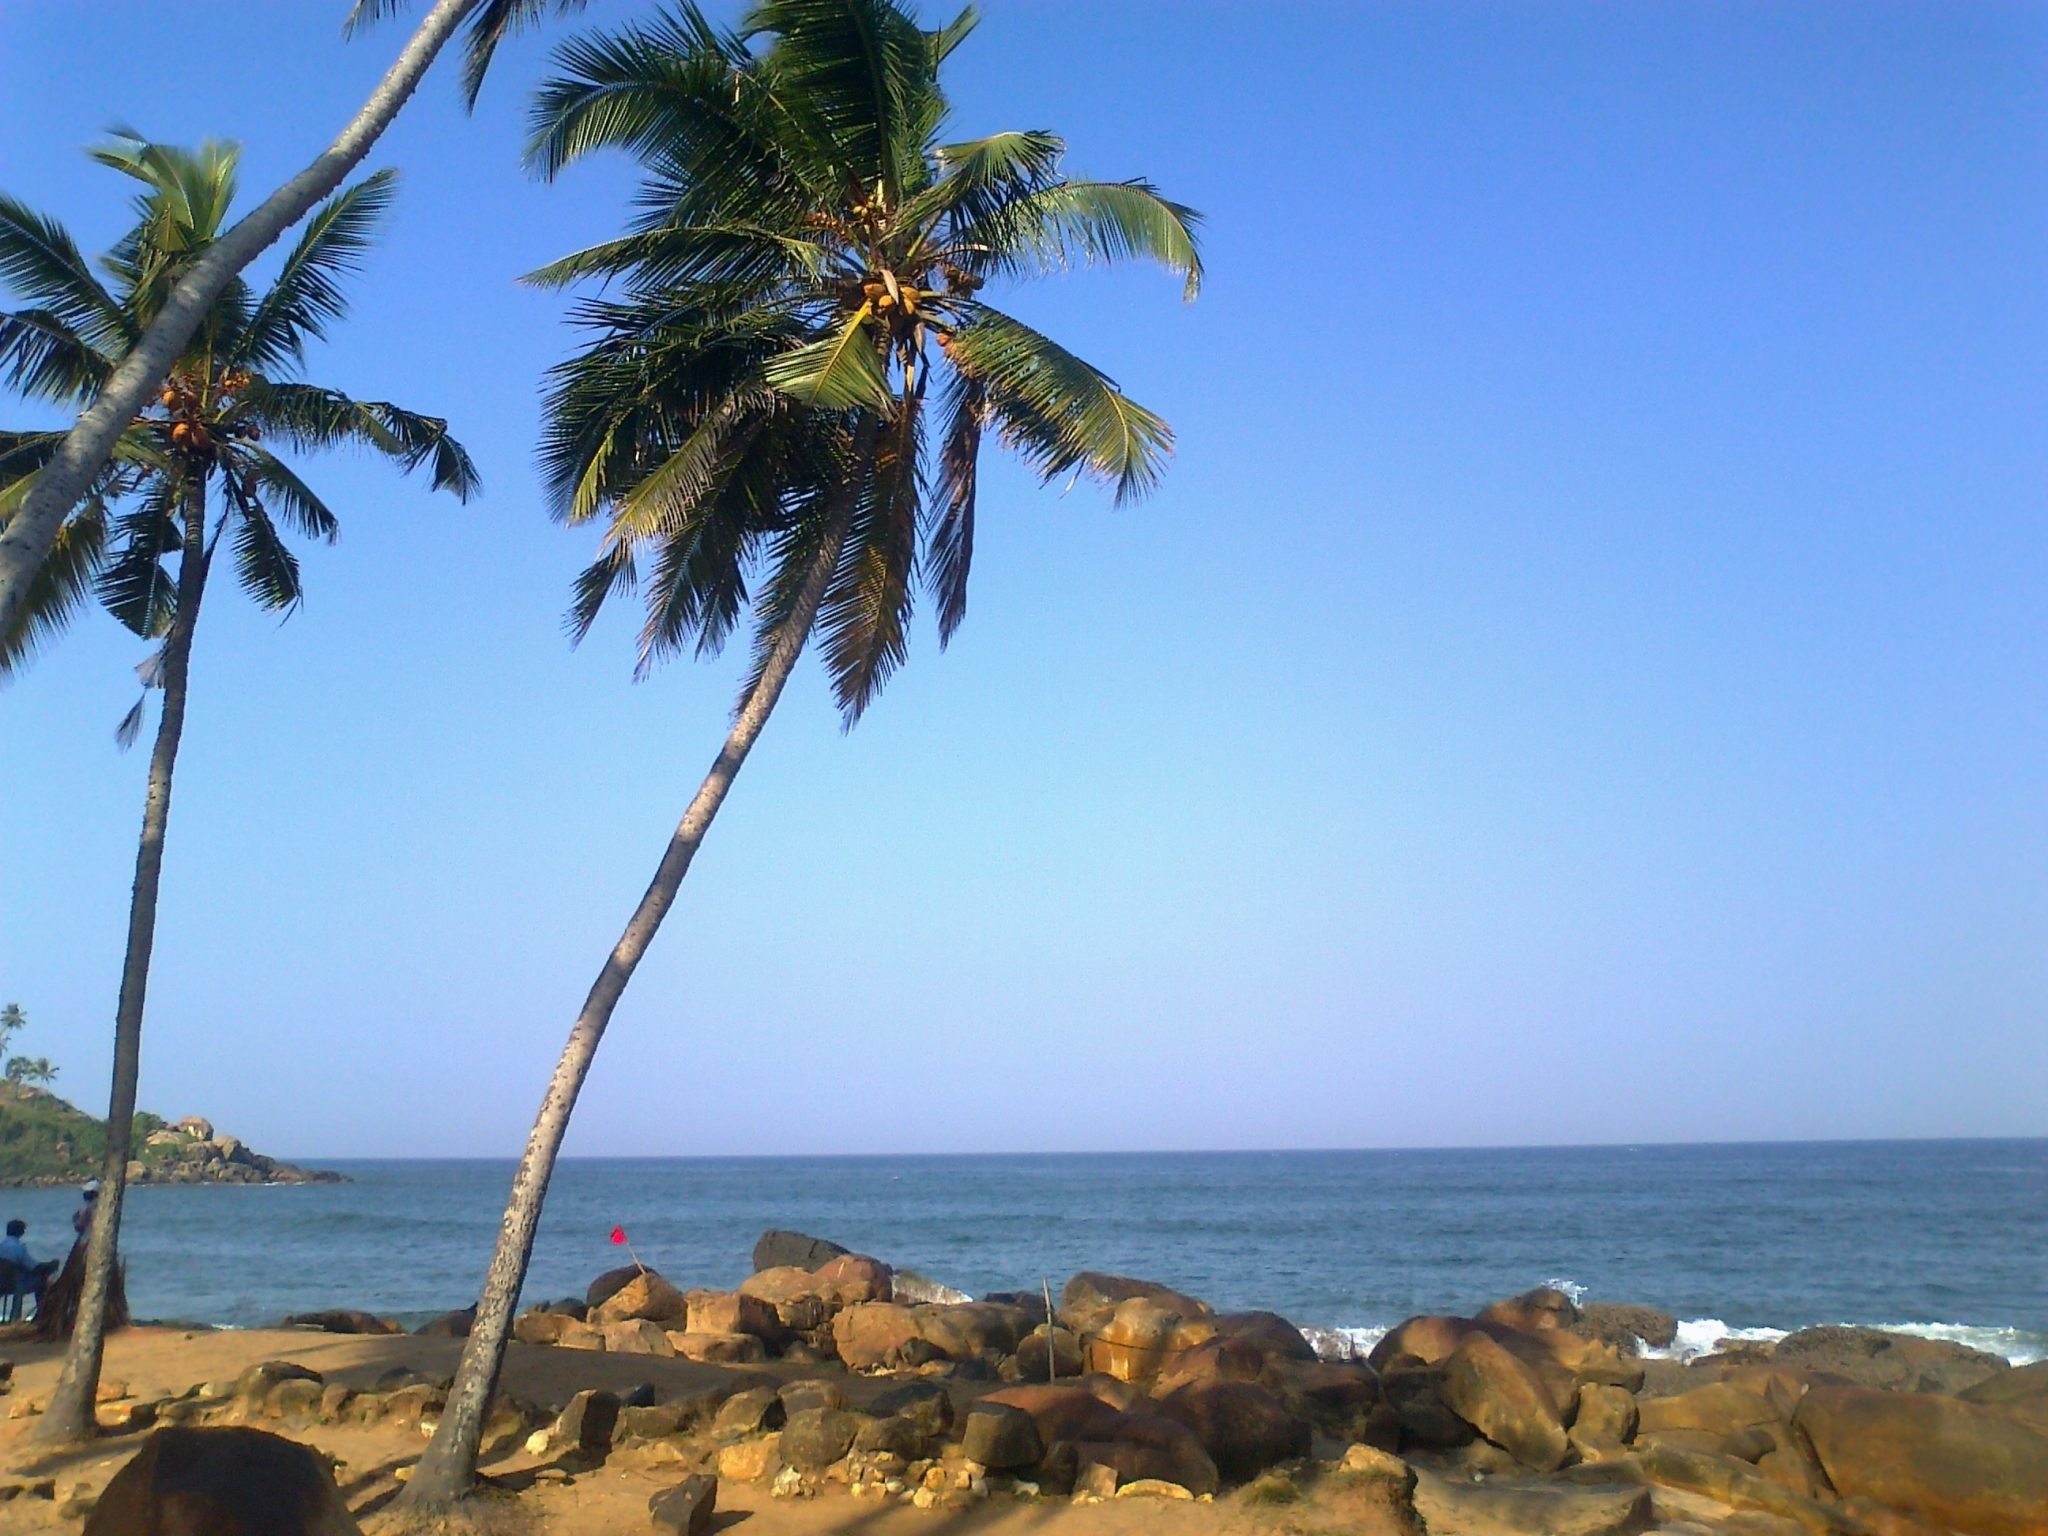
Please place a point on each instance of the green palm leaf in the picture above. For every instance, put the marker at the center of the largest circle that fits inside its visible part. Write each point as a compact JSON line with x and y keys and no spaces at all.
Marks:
{"x":307,"y":295}
{"x":1056,"y":410}
{"x":132,"y":584}
{"x":835,"y":373}
{"x":61,"y":584}
{"x":267,"y":570}
{"x":40,"y":262}
{"x":1100,"y":222}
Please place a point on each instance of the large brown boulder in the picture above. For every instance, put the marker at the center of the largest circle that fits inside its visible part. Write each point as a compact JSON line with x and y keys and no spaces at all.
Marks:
{"x":872,"y":1334}
{"x":1089,"y":1298}
{"x":604,"y":1285}
{"x":1336,"y":1396}
{"x":734,"y":1312}
{"x":1498,"y":1395}
{"x":644,"y":1298}
{"x":222,"y":1482}
{"x":1061,"y":1413}
{"x":1244,"y":1428}
{"x":2022,"y":1393}
{"x":1901,"y":1362}
{"x":1416,"y":1394}
{"x":1956,"y":1464}
{"x":856,"y":1277}
{"x":344,"y":1321}
{"x":1136,"y":1339}
{"x":973,"y":1330}
{"x":1718,"y":1408}
{"x":1268,"y":1332}
{"x":1533,"y":1311}
{"x":1145,"y":1445}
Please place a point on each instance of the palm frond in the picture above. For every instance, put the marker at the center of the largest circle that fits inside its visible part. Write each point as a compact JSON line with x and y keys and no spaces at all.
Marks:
{"x":61,"y":584}
{"x":612,"y":573}
{"x":837,"y":372}
{"x":280,"y":489}
{"x":864,"y":623}
{"x":132,"y":583}
{"x":1100,"y":222}
{"x":1057,"y":411}
{"x":950,"y":545}
{"x":267,"y":570}
{"x":40,"y":262}
{"x":307,"y":295}
{"x":489,"y":25}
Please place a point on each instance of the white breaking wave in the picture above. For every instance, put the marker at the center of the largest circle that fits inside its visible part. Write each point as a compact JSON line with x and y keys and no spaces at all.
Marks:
{"x":1699,"y":1336}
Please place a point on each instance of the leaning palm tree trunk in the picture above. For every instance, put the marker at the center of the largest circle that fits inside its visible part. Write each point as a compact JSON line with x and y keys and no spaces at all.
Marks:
{"x":26,"y":541}
{"x":69,"y":1418}
{"x":448,"y":1469}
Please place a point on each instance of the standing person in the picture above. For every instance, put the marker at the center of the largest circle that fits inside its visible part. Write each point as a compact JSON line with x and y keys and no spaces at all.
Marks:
{"x":81,"y":1219}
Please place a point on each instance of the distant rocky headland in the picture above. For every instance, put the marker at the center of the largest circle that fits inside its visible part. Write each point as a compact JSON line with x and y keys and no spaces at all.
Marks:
{"x":46,"y":1140}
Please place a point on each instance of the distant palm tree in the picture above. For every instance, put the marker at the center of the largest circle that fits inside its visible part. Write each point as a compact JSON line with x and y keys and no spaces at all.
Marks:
{"x":12,"y":1022}
{"x":29,"y":530}
{"x":750,"y":417}
{"x":30,"y":1069}
{"x":187,"y":475}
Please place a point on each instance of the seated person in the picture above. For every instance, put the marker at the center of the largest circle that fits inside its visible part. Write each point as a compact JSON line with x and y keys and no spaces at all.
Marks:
{"x":30,"y":1277}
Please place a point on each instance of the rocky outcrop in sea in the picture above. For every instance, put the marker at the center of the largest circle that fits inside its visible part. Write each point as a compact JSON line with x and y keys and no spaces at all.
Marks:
{"x":188,"y":1152}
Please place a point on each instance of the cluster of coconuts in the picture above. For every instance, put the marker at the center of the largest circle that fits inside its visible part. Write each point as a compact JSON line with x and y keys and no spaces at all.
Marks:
{"x":182,"y":400}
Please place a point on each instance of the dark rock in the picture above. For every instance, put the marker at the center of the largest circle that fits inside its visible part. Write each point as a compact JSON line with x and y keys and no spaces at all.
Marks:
{"x":221,"y":1482}
{"x":642,"y":1396}
{"x":1044,"y":1354}
{"x":1145,"y":1445}
{"x":343,"y":1322}
{"x":1416,"y":1394}
{"x":259,"y":1381}
{"x":1244,"y":1428}
{"x":1625,"y":1327}
{"x":816,"y":1437}
{"x":1032,"y":1303}
{"x":798,"y":1395}
{"x":449,"y":1325}
{"x":1953,"y":1463}
{"x":749,"y":1413}
{"x":687,"y":1508}
{"x":925,"y":1403}
{"x":1269,"y":1332}
{"x":1445,"y":1505}
{"x":778,"y":1249}
{"x":1336,"y":1396}
{"x":974,"y":1330}
{"x":1062,"y":1412}
{"x":897,"y":1435}
{"x":1001,"y":1437}
{"x":1869,"y":1357}
{"x":587,"y":1423}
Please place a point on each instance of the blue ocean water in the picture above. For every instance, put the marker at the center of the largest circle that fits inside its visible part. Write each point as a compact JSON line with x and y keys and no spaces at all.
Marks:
{"x":1943,"y":1236}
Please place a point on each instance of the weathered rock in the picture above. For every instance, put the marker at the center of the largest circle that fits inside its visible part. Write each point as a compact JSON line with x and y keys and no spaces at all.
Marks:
{"x":1217,"y":1359}
{"x":2021,"y":1392}
{"x":1719,"y":1408}
{"x":449,"y":1325}
{"x":749,"y":1412}
{"x":856,"y":1277}
{"x":1957,"y":1464}
{"x":1133,"y":1342}
{"x":873,"y":1334}
{"x":257,"y":1382}
{"x":638,"y":1337}
{"x":1371,"y":1464}
{"x":735,"y":1312}
{"x":1244,"y":1428}
{"x":1624,"y":1327}
{"x":1416,"y":1395}
{"x":750,"y":1460}
{"x":1428,"y":1339}
{"x":1090,"y":1297}
{"x":1729,"y":1481}
{"x":778,"y":1249}
{"x":1533,"y":1311}
{"x":1337,"y":1397}
{"x":221,"y":1482}
{"x":1001,"y":1437}
{"x":975,"y":1330}
{"x":1499,"y":1396}
{"x":298,"y":1399}
{"x":1478,"y":1509}
{"x":646,"y":1297}
{"x":816,"y":1437}
{"x":605,"y":1285}
{"x":897,"y":1435}
{"x":687,"y":1508}
{"x":1901,"y":1362}
{"x":556,"y":1328}
{"x":1270,"y":1333}
{"x":343,"y":1322}
{"x":927,"y":1404}
{"x":811,"y":1393}
{"x":1605,"y":1418}
{"x":1145,"y":1445}
{"x":1047,"y":1353}
{"x":587,"y":1422}
{"x":1061,"y":1412}
{"x":719,"y":1348}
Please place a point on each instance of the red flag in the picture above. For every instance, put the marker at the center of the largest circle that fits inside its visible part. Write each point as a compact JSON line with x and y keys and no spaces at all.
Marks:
{"x":618,"y":1234}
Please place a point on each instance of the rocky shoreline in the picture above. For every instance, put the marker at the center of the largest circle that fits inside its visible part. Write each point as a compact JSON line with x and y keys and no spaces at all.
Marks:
{"x":1531,"y":1414}
{"x":188,"y":1152}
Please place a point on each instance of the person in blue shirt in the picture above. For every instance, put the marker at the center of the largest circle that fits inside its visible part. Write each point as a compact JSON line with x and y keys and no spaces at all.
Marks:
{"x":30,"y":1278}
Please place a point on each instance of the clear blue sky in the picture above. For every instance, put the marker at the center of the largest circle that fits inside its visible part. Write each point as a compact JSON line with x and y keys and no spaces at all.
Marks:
{"x":1583,"y":678}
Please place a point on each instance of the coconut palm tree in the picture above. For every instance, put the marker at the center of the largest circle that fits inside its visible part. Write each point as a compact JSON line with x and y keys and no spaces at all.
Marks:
{"x":30,"y":530}
{"x":12,"y":1022}
{"x":31,"y":1069}
{"x":192,"y":477}
{"x":749,"y":417}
